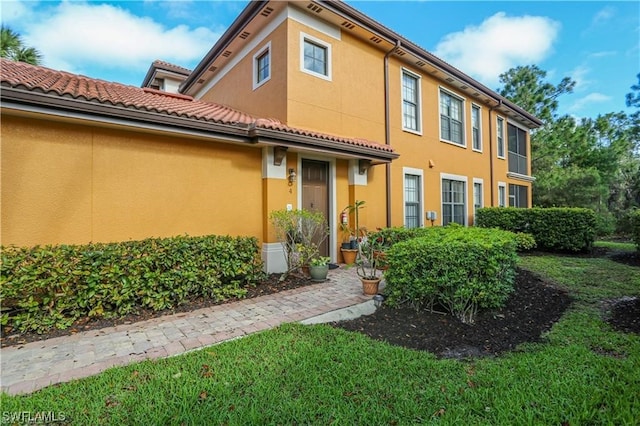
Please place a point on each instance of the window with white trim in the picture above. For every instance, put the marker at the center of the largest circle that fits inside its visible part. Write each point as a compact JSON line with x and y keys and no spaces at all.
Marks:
{"x":451,"y":118}
{"x":454,"y":201}
{"x":410,"y":101}
{"x":502,"y":194}
{"x":315,"y":57}
{"x":500,"y":137}
{"x":412,"y":201}
{"x":477,"y":197}
{"x":262,"y":66}
{"x":518,"y":196}
{"x":476,"y":133}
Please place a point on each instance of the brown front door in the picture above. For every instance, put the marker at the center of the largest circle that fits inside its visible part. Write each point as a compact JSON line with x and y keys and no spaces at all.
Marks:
{"x":315,"y":192}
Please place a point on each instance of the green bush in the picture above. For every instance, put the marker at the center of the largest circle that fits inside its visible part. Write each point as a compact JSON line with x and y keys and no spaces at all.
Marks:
{"x":52,"y":286}
{"x":635,"y":227}
{"x":462,"y":269}
{"x":524,"y":241}
{"x":554,"y":229}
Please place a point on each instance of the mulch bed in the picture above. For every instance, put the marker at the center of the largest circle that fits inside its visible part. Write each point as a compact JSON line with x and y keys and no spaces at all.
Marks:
{"x":531,"y":310}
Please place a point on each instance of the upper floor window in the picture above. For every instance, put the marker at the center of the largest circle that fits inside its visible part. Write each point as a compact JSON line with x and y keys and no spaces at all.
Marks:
{"x":262,"y":66}
{"x":500,"y":132}
{"x":451,"y":121}
{"x":315,"y":57}
{"x":476,"y":134}
{"x":517,"y":150}
{"x":410,"y":101}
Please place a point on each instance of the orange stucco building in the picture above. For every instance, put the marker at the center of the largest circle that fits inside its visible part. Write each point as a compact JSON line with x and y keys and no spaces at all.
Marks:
{"x":311,"y":89}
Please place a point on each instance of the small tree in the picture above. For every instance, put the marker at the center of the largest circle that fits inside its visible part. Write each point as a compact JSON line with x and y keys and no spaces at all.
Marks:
{"x":300,"y":232}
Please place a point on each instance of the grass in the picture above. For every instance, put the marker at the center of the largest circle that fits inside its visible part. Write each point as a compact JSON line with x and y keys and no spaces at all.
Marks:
{"x":584,"y":373}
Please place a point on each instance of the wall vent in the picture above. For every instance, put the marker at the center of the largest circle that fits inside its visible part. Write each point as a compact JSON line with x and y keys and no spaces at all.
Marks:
{"x":227,"y":53}
{"x":421,"y":63}
{"x":464,"y":87}
{"x":348,"y":25}
{"x":314,"y":8}
{"x":213,"y":69}
{"x":244,"y":35}
{"x":375,"y":39}
{"x":201,"y":81}
{"x":449,"y":79}
{"x":476,"y":94}
{"x":400,"y":52}
{"x":266,"y":11}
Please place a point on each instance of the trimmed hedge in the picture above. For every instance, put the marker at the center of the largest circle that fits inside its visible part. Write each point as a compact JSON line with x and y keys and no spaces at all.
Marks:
{"x":53,"y":286}
{"x":462,"y":269}
{"x":554,"y":229}
{"x":635,"y":227}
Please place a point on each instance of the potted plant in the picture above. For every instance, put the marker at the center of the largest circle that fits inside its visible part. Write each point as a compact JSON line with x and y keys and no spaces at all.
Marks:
{"x":368,"y":264}
{"x":350,"y":251}
{"x":319,"y":268}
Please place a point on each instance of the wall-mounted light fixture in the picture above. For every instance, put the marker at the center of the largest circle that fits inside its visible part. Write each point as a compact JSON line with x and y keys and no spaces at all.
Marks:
{"x":292,"y":176}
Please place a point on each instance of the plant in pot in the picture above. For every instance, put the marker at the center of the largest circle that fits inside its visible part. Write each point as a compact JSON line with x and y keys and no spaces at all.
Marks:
{"x":319,"y":268}
{"x":368,"y":264}
{"x":351,"y":238}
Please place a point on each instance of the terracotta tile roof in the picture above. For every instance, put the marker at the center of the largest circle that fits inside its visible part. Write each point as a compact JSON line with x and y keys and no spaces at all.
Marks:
{"x":164,"y":65}
{"x":38,"y":79}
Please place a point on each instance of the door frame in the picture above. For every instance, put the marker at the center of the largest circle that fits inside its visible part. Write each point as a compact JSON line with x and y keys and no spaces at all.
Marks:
{"x":332,"y":221}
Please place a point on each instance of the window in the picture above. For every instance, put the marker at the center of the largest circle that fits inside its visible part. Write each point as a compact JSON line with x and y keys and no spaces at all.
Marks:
{"x":262,"y":66}
{"x":477,"y":197}
{"x":475,"y":128}
{"x":453,"y":201}
{"x":410,"y":102}
{"x":412,"y":202}
{"x":451,"y":129}
{"x":500,"y":131}
{"x":518,"y":196}
{"x":517,"y":150}
{"x":315,"y":57}
{"x":502,"y":194}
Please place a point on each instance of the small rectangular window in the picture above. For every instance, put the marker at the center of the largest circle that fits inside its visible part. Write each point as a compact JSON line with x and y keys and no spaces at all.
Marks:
{"x":477,"y":198}
{"x":315,"y":56}
{"x":502,"y":195}
{"x":518,"y":196}
{"x":451,"y":120}
{"x":410,"y":102}
{"x":475,"y":128}
{"x":412,"y":202}
{"x":262,"y":66}
{"x":500,"y":134}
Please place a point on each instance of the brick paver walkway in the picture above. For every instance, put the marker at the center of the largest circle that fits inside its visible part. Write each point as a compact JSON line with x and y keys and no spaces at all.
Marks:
{"x":32,"y":366}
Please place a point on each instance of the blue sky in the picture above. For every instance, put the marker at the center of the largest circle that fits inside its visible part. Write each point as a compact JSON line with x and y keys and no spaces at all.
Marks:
{"x":595,"y":43}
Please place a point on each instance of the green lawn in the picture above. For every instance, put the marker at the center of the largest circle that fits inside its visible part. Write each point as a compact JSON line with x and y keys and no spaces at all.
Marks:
{"x":584,"y":374}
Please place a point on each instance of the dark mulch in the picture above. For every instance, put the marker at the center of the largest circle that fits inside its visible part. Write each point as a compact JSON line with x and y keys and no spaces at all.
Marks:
{"x":531,"y":310}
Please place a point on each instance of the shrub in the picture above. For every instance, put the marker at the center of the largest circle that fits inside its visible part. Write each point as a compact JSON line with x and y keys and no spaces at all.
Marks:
{"x":462,"y":269}
{"x":554,"y":229}
{"x":524,"y":241}
{"x":52,"y":286}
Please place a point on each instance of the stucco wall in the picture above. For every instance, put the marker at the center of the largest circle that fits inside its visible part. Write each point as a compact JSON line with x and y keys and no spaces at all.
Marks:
{"x":72,"y":183}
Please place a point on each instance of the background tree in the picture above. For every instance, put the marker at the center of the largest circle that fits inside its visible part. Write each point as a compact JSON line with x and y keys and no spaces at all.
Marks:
{"x":593,"y":163}
{"x":12,"y":47}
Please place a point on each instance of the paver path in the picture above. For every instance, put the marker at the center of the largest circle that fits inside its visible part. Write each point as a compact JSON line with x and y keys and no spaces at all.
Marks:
{"x":32,"y":366}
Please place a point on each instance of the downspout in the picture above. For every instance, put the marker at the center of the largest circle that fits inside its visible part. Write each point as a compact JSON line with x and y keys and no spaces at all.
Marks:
{"x":491,"y":177}
{"x":387,"y":128}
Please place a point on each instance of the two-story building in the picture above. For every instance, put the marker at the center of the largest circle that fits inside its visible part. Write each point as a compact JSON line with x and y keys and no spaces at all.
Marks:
{"x":303,"y":104}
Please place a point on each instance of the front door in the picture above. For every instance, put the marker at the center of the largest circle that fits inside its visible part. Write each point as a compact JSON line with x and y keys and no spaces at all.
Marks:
{"x":315,"y":192}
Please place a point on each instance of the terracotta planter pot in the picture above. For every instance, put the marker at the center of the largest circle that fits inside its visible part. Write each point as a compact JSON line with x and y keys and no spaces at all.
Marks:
{"x":349,"y":256}
{"x":370,"y":287}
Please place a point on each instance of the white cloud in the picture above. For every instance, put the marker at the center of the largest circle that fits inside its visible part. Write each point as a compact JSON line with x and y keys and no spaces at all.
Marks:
{"x":579,"y":75}
{"x":498,"y":44}
{"x":591,"y":98}
{"x":603,"y":15}
{"x":78,"y":36}
{"x":14,"y":11}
